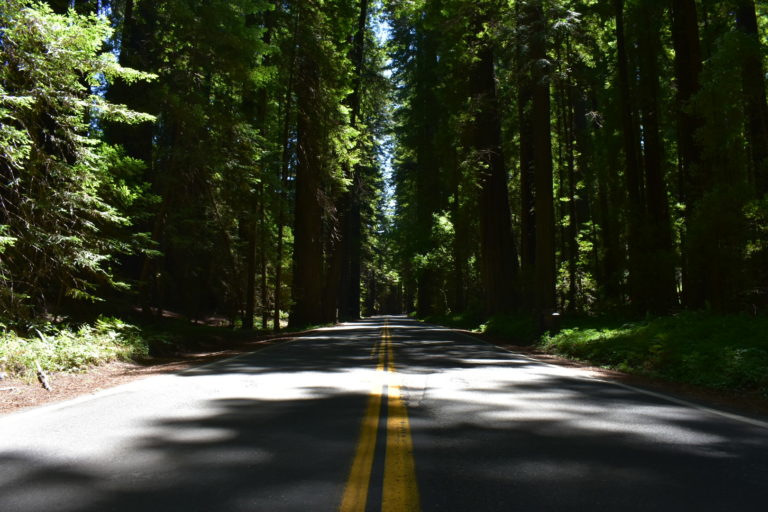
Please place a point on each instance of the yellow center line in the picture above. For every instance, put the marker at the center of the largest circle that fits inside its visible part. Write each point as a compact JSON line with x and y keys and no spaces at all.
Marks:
{"x":400,"y":491}
{"x":356,"y":491}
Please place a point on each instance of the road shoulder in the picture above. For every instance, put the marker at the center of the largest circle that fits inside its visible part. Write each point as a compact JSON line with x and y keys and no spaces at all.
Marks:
{"x":730,"y":402}
{"x":18,"y":394}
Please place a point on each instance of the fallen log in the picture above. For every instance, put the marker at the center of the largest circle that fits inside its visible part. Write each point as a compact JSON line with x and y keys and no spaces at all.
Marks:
{"x":42,"y":377}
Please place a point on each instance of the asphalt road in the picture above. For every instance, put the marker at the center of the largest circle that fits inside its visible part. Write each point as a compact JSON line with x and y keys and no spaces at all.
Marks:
{"x":381,"y":414}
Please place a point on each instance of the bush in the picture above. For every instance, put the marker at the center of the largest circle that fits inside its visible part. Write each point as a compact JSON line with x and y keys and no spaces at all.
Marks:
{"x":718,"y":351}
{"x":64,"y":349}
{"x":519,"y":328}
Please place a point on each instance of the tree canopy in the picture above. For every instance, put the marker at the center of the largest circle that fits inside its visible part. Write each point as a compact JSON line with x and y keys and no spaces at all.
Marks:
{"x":308,"y":161}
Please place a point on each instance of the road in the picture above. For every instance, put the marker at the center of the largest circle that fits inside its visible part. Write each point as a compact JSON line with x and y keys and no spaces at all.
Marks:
{"x":381,"y":414}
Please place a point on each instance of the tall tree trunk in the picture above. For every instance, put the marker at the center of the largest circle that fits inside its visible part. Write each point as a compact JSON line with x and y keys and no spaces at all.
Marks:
{"x":527,"y":206}
{"x":585,"y":171}
{"x":256,"y":109}
{"x":688,"y":66}
{"x":250,"y":275}
{"x":753,"y":80}
{"x":567,"y":174}
{"x":263,"y":257}
{"x":282,"y":207}
{"x":459,"y":247}
{"x":334,"y":242}
{"x":657,"y":265}
{"x":428,"y":193}
{"x":632,"y":165}
{"x":609,"y":202}
{"x":542,"y":159}
{"x":497,"y":247}
{"x":409,"y":290}
{"x":349,"y":290}
{"x":283,"y":173}
{"x":308,"y":271}
{"x":573,"y":200}
{"x":561,"y":135}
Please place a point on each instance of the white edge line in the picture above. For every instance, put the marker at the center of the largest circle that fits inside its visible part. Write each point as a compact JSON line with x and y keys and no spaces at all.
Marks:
{"x":732,"y":416}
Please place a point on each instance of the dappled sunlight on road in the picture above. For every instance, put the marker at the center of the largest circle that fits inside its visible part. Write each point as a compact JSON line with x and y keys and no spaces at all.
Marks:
{"x":276,"y":430}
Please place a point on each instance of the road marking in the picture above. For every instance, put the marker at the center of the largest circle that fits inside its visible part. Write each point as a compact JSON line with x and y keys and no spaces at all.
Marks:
{"x":400,"y":491}
{"x":356,"y":491}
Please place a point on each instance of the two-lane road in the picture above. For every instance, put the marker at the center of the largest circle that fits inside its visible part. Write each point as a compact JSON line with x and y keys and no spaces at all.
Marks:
{"x":381,"y":414}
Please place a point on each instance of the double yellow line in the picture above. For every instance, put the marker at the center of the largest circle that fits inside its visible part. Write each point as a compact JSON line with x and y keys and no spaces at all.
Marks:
{"x":400,"y":492}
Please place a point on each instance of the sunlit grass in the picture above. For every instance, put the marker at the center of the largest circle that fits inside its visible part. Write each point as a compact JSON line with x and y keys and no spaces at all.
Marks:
{"x":727,"y":352}
{"x":718,"y":351}
{"x":76,"y":348}
{"x":67,"y":349}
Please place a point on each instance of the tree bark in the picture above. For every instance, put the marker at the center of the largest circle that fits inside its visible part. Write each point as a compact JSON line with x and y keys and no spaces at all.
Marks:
{"x":428,"y":193}
{"x":542,"y":158}
{"x":527,"y":174}
{"x":497,"y":247}
{"x":459,"y":246}
{"x":693,"y":176}
{"x":753,"y":80}
{"x":574,"y":201}
{"x":349,"y":289}
{"x":256,"y":110}
{"x":283,"y":174}
{"x":632,"y":165}
{"x":263,"y":257}
{"x":250,"y":275}
{"x":308,"y":256}
{"x":657,"y":265}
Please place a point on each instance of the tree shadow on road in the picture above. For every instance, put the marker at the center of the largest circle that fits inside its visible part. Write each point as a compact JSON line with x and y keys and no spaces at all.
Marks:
{"x":491,"y":431}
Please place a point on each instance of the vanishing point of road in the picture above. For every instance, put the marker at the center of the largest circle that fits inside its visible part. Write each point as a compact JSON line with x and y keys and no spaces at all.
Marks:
{"x":381,"y":414}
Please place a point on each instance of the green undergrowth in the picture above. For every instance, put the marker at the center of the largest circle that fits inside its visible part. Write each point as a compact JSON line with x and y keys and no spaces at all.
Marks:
{"x":520,"y":329}
{"x":468,"y":321}
{"x":61,"y":348}
{"x":70,"y":349}
{"x":173,"y":335}
{"x":728,"y":352}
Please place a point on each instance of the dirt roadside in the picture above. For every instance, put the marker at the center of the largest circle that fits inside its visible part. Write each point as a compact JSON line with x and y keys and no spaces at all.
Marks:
{"x":17,"y":394}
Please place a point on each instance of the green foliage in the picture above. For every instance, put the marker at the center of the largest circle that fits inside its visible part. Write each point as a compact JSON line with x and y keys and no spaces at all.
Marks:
{"x":53,"y":201}
{"x":62,"y":349}
{"x":520,"y":328}
{"x":5,"y":241}
{"x":718,"y":351}
{"x":94,"y":197}
{"x":439,"y":256}
{"x":517,"y":328}
{"x":469,"y":320}
{"x":728,"y":352}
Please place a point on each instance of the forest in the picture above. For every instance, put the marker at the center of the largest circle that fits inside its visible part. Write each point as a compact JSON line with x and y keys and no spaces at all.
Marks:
{"x":287,"y":163}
